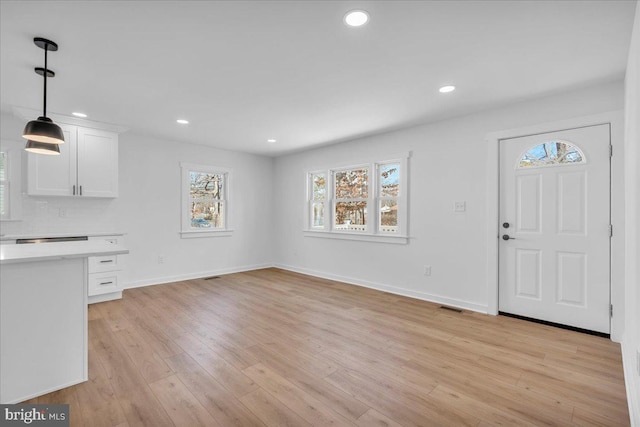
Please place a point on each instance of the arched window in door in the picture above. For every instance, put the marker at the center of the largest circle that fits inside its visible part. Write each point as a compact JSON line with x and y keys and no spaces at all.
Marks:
{"x":552,"y":153}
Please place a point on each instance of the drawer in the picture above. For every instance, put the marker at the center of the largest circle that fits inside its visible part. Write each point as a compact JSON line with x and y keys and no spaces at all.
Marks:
{"x":103,"y":283}
{"x":99,"y":264}
{"x":111,"y":239}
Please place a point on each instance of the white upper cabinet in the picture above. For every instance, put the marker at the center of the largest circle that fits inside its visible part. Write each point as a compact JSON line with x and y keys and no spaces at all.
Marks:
{"x":86,"y":167}
{"x":97,"y":163}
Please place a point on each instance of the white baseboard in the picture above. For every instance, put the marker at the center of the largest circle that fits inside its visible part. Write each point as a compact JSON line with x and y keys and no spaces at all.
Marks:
{"x":45,"y":391}
{"x":105,"y":297}
{"x":467,"y":305}
{"x":631,"y":381}
{"x":189,"y":276}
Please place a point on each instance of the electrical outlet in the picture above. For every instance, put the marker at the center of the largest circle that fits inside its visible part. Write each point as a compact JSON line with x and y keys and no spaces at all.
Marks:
{"x":460,"y":206}
{"x":427,"y":270}
{"x":161,"y":259}
{"x":62,"y":212}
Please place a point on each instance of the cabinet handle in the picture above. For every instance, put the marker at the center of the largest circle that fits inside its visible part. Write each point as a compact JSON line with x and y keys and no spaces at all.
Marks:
{"x":74,"y":190}
{"x":81,"y":190}
{"x":106,"y":283}
{"x":107,"y":260}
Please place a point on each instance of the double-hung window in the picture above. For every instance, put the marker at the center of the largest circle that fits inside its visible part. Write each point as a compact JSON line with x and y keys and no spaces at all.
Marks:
{"x":389,"y":197}
{"x":367,"y":201}
{"x":351,"y":199}
{"x":205,"y":201}
{"x":318,"y":202}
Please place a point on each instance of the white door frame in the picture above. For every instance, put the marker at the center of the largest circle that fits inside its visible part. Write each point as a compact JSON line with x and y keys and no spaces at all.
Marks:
{"x":616,"y":120}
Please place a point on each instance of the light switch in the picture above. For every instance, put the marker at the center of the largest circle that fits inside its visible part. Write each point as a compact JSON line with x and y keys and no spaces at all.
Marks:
{"x":460,"y":206}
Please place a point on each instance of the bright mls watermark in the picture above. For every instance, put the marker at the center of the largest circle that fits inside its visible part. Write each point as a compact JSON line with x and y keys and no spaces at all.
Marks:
{"x":34,"y":415}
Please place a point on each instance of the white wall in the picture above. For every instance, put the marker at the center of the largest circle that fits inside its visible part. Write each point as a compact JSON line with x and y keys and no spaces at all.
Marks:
{"x":631,"y":340}
{"x":448,"y":164}
{"x":148,"y":210}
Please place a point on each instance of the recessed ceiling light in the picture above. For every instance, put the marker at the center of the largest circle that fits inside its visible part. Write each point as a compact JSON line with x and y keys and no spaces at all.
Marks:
{"x":183,"y":121}
{"x":447,"y":89}
{"x":356,"y":18}
{"x":83,"y":115}
{"x":271,"y":140}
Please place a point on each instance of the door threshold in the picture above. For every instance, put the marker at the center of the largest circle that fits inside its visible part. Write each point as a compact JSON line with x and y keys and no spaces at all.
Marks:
{"x":557,"y":325}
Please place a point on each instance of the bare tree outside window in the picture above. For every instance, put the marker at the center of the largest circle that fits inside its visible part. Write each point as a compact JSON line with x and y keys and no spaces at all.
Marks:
{"x":551,"y":153}
{"x":206,"y":200}
{"x":351,"y":194}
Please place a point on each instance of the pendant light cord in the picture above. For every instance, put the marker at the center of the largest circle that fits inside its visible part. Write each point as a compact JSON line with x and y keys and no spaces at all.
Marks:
{"x":44,"y":107}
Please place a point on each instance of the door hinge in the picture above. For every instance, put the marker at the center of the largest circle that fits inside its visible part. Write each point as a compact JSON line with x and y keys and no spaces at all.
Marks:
{"x":610,"y":230}
{"x":610,"y":310}
{"x":610,"y":150}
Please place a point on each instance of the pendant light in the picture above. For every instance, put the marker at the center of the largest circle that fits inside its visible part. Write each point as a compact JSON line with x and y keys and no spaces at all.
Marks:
{"x":43,"y":134}
{"x":42,"y":148}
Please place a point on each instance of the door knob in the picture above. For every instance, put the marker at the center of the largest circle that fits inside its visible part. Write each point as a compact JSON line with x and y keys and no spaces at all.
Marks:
{"x":507,"y":237}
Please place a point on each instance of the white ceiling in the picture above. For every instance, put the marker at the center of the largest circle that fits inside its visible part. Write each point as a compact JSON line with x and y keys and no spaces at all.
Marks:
{"x":246,"y":71}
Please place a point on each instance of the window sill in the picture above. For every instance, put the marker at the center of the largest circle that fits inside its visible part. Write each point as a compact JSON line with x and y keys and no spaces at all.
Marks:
{"x":205,"y":233}
{"x":344,"y":235}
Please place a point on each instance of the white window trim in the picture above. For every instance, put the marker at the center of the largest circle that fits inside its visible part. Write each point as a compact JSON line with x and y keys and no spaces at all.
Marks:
{"x":186,"y":232}
{"x":372,"y":234}
{"x":13,"y":179}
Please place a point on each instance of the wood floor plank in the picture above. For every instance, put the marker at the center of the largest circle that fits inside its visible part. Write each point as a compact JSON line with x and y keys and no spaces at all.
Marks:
{"x":373,"y":418}
{"x":151,"y":331}
{"x":217,"y":400}
{"x":138,"y":403}
{"x":232,"y":378}
{"x":482,"y":410}
{"x":405,"y":411}
{"x":149,"y":362}
{"x":306,"y":406}
{"x":271,"y":411}
{"x":182,"y":406}
{"x":98,"y":402}
{"x":341,"y":402}
{"x":272,"y":347}
{"x":67,"y":396}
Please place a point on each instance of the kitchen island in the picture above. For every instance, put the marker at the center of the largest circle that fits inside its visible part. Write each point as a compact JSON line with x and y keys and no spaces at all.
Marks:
{"x":43,"y":316}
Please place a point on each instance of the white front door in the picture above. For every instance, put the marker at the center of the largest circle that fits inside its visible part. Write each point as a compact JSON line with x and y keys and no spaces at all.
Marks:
{"x":554,"y":211}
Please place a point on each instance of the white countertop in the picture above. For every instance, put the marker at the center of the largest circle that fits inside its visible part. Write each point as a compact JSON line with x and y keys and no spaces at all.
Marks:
{"x":46,"y":235}
{"x":49,"y":251}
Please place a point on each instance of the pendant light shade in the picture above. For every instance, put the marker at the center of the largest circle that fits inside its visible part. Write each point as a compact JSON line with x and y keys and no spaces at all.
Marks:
{"x":42,"y":148}
{"x":43,"y":130}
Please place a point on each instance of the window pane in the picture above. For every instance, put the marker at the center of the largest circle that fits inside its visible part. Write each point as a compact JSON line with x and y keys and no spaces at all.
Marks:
{"x":317,"y":215}
{"x":3,"y":166}
{"x":352,"y":184}
{"x":389,"y":216}
{"x":207,"y":213}
{"x":205,"y":185}
{"x":389,"y":177}
{"x":551,"y":153}
{"x":3,"y":203}
{"x":319,"y":187}
{"x":351,"y":216}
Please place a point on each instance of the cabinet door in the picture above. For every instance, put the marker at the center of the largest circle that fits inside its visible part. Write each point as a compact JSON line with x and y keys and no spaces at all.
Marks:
{"x":54,"y":175}
{"x":97,"y":163}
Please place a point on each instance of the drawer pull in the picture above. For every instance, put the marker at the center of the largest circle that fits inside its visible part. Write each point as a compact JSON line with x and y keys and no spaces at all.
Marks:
{"x":106,"y":261}
{"x":106,"y":283}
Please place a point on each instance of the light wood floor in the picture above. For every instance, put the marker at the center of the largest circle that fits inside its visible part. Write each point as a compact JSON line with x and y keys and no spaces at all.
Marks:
{"x":271,"y":348}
